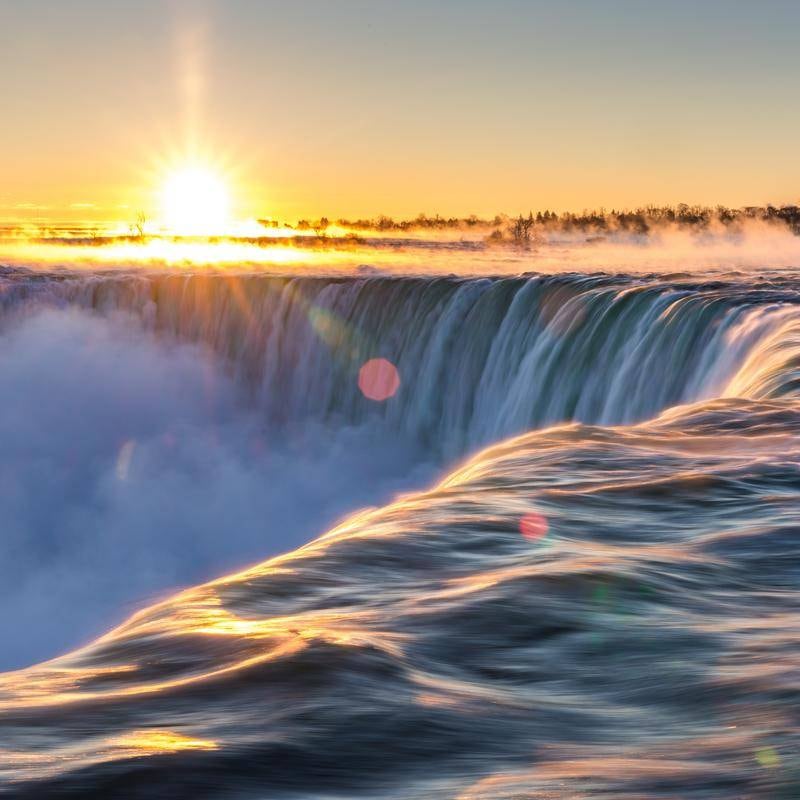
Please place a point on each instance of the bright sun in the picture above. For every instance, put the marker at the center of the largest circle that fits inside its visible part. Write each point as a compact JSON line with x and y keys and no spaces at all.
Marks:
{"x":195,"y":202}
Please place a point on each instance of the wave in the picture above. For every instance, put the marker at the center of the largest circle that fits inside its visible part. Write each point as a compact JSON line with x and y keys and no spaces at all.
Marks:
{"x":643,"y":646}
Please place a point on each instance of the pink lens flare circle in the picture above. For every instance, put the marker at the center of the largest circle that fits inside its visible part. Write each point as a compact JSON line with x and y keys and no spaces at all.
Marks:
{"x":533,"y":526}
{"x":378,"y":379}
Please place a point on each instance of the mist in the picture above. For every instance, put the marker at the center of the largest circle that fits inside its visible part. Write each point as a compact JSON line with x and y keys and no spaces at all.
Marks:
{"x":130,"y":467}
{"x":750,"y":244}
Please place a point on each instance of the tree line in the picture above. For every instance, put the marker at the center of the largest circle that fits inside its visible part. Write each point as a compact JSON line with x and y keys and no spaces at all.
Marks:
{"x":525,"y":228}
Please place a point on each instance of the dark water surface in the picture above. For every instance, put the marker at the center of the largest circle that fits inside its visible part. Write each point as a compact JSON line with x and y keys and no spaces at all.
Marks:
{"x":606,"y":605}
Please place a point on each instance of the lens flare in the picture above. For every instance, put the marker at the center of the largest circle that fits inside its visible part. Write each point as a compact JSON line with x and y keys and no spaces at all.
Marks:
{"x":124,"y":459}
{"x":533,"y":526}
{"x":378,"y":379}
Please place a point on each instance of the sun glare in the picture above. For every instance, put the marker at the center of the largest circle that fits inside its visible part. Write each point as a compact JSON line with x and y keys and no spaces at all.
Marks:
{"x":195,"y":202}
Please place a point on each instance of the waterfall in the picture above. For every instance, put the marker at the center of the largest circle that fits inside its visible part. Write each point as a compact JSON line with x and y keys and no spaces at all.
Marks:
{"x":478,"y":359}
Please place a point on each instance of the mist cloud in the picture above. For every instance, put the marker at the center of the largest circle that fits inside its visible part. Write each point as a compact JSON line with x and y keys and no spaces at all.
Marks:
{"x":129,"y":467}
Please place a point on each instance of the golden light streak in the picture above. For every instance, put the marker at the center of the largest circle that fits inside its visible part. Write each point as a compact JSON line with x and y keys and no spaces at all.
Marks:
{"x":149,"y":742}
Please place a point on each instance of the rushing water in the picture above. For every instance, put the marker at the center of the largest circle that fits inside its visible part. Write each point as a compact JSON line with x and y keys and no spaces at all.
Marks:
{"x":605,"y":605}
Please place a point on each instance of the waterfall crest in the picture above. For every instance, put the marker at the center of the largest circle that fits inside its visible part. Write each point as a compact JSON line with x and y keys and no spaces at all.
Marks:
{"x":478,"y":359}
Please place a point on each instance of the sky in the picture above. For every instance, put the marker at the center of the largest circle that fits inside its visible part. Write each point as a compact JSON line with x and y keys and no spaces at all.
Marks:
{"x":359,"y":108}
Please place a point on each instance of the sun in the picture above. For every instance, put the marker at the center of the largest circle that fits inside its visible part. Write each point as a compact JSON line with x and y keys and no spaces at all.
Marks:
{"x":195,"y":201}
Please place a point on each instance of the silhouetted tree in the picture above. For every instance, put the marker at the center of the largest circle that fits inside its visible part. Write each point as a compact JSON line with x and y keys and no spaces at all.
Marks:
{"x":522,"y":229}
{"x":138,"y":226}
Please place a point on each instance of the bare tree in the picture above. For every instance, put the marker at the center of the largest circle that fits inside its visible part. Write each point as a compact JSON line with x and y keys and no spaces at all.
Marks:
{"x":522,"y":229}
{"x":137,"y":227}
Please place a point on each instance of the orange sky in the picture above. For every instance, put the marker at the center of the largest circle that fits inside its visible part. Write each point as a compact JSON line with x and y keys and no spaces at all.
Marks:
{"x":358,"y":108}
